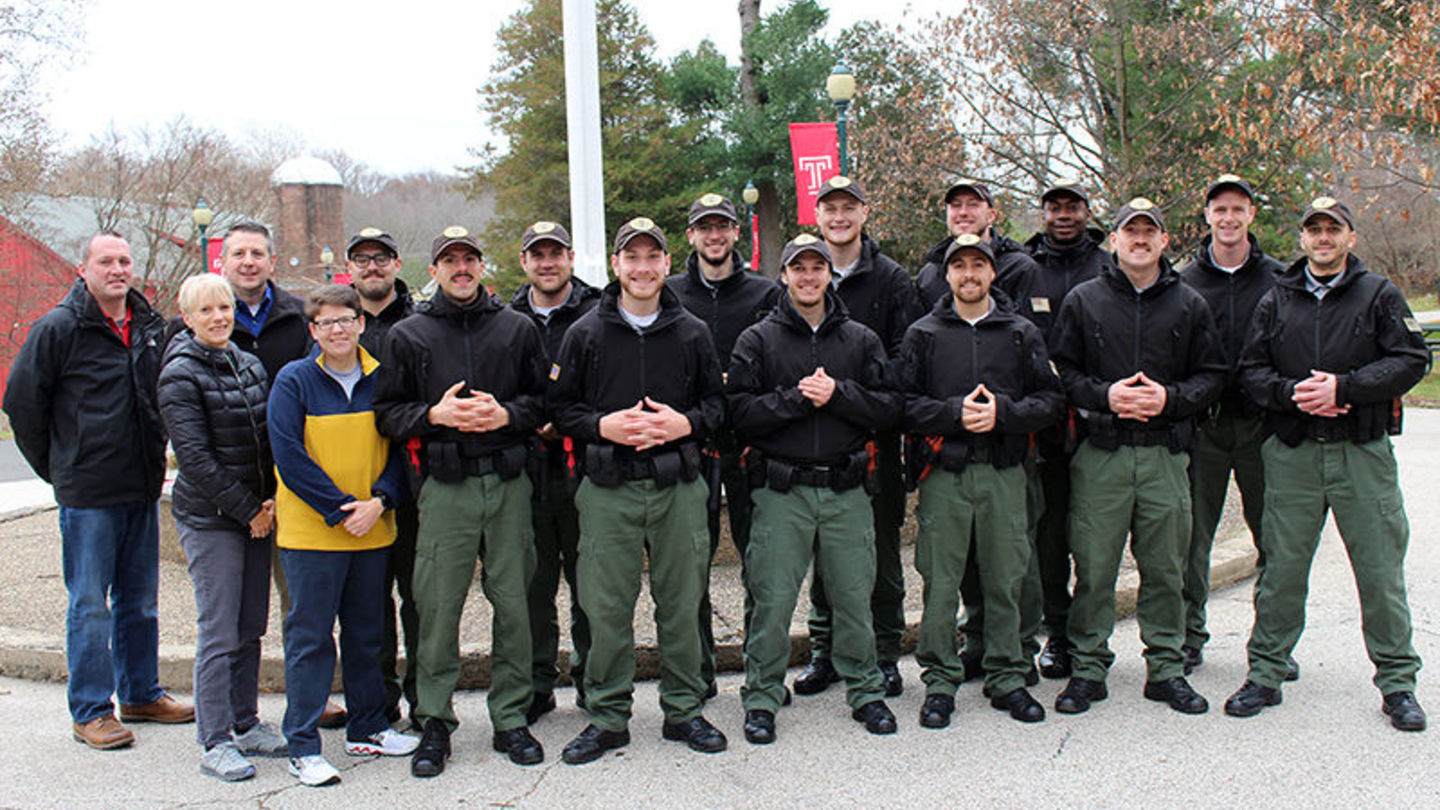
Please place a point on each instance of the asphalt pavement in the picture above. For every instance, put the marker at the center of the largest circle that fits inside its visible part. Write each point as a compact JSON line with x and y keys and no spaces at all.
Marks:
{"x":1327,"y":745}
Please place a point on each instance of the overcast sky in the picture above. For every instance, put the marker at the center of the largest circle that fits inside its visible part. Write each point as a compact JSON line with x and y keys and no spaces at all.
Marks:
{"x":394,"y":90}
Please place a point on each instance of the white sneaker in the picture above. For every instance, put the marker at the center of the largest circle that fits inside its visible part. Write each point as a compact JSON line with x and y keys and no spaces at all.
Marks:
{"x":261,"y":740}
{"x":314,"y":771}
{"x":225,"y":762}
{"x":388,"y":743}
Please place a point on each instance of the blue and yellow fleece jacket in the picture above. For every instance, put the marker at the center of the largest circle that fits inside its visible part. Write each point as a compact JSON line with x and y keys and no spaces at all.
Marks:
{"x":327,"y":454}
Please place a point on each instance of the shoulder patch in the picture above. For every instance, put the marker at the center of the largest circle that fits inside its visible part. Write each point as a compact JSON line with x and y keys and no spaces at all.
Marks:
{"x":1414,"y":326}
{"x":554,"y":372}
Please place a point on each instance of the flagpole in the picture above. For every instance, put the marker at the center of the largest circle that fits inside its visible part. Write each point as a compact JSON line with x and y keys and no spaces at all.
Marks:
{"x":582,"y":115}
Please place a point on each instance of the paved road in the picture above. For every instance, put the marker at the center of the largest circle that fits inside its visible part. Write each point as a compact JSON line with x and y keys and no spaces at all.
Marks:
{"x":1328,"y":745}
{"x":13,"y":466}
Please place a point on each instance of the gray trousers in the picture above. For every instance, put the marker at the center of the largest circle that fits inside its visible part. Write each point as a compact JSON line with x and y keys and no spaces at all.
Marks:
{"x":231,"y":574}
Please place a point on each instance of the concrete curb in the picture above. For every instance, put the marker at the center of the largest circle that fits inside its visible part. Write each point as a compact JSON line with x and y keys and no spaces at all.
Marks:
{"x":41,"y":657}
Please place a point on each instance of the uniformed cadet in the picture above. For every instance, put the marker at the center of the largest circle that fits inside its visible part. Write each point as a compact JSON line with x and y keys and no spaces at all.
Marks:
{"x":880,"y":294}
{"x":372,"y":258}
{"x":977,"y":383}
{"x":1331,"y":350}
{"x":970,"y":209}
{"x":1140,"y":359}
{"x":1233,"y":273}
{"x":718,"y":288}
{"x":807,"y":390}
{"x":638,"y":381}
{"x":554,"y":299}
{"x":466,"y":376}
{"x":1067,"y":252}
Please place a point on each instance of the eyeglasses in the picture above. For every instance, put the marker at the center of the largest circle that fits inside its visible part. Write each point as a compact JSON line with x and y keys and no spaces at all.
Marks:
{"x":326,"y":324}
{"x":367,"y":259}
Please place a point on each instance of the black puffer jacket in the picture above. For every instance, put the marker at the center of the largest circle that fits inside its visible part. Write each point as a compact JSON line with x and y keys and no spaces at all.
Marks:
{"x":213,"y":404}
{"x":82,"y":404}
{"x":284,"y":337}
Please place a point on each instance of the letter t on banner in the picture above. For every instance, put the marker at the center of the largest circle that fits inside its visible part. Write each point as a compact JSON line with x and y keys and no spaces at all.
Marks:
{"x":816,"y":152}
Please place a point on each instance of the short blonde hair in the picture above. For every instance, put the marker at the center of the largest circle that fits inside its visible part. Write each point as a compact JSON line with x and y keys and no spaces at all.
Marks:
{"x":204,"y":288}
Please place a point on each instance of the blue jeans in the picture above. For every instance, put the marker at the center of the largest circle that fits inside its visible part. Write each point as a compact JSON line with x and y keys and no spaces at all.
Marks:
{"x":325,"y":585}
{"x":111,"y":559}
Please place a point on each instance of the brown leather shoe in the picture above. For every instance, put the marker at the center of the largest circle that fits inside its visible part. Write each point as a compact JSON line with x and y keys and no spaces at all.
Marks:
{"x":334,"y":715}
{"x":165,"y":710}
{"x":104,"y":733}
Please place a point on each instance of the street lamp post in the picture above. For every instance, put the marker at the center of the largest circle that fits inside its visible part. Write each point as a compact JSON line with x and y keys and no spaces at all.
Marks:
{"x":202,"y":216}
{"x":327,"y":258}
{"x":751,"y":195}
{"x":840,"y":86}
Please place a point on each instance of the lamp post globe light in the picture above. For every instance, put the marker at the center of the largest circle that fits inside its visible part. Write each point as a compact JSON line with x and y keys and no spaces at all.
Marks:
{"x":202,"y":216}
{"x":327,"y":258}
{"x":751,"y":195}
{"x":840,"y":86}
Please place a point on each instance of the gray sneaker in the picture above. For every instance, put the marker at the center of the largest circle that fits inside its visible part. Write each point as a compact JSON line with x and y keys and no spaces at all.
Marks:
{"x":261,"y":740}
{"x":225,"y":762}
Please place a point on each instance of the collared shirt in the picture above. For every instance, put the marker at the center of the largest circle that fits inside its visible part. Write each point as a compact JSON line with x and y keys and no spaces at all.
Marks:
{"x":1315,"y":286}
{"x":122,"y":328}
{"x":254,"y":320}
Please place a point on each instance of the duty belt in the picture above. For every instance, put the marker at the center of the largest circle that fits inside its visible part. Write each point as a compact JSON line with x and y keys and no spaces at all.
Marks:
{"x":1327,"y":431}
{"x":1143,"y":438}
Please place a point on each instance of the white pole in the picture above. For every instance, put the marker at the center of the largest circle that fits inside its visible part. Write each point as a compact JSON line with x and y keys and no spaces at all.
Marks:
{"x":582,"y":107}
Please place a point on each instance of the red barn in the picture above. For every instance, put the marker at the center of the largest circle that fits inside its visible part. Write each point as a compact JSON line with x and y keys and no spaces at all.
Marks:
{"x":33,"y":279}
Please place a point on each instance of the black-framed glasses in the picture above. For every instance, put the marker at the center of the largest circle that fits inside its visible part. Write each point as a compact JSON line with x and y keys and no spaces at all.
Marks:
{"x":325,"y":324}
{"x":367,"y":259}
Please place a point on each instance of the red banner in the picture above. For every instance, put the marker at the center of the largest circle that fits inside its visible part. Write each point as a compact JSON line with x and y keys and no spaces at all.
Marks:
{"x":816,"y":154}
{"x":212,"y":254}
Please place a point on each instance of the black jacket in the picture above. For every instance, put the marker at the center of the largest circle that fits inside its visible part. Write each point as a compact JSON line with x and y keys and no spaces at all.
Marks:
{"x":581,"y":300}
{"x":727,"y":306}
{"x":944,"y":358}
{"x":1106,"y":331}
{"x":83,"y":405}
{"x":1362,"y":331}
{"x":485,"y":344}
{"x":1011,"y":259}
{"x":1039,"y":290}
{"x":378,"y":326}
{"x":880,"y":294}
{"x":213,"y":405}
{"x":285,"y":336}
{"x":605,"y":365}
{"x":770,"y":413}
{"x":1232,"y":298}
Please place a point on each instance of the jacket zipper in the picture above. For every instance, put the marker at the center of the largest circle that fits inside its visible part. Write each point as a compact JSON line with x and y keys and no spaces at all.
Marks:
{"x":814,"y":417}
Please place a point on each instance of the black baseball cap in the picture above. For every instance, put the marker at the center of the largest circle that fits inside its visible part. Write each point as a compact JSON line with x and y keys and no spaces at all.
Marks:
{"x":1228,"y":182}
{"x":639,"y":226}
{"x":803,"y":243}
{"x":969,"y":241}
{"x":454,"y":235}
{"x":837,"y":185}
{"x":372,"y":235}
{"x":1329,"y":207}
{"x":542,"y":231}
{"x":976,"y":187}
{"x":711,"y":204}
{"x":1139,"y":207}
{"x":1065,"y":188}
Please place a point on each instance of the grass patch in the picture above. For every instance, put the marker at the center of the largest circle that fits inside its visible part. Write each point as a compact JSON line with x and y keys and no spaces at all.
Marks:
{"x":1426,"y":393}
{"x":1419,"y":303}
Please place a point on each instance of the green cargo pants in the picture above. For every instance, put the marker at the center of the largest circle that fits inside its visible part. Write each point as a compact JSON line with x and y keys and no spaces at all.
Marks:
{"x":557,"y":537}
{"x":617,"y":526}
{"x":980,"y":512}
{"x":491,"y":517}
{"x":1361,"y":484}
{"x":1143,"y":493}
{"x":1031,"y":591}
{"x":887,"y":600}
{"x":1228,"y":441}
{"x":737,"y":505}
{"x":789,"y":529}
